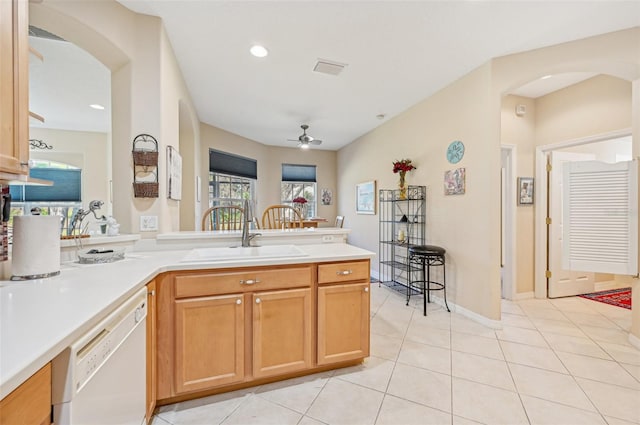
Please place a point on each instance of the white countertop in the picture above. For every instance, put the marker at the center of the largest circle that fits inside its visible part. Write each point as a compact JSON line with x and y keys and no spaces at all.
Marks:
{"x":40,"y":318}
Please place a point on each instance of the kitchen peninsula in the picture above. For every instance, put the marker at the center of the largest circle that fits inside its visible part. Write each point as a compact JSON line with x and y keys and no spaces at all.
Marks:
{"x":305,"y":298}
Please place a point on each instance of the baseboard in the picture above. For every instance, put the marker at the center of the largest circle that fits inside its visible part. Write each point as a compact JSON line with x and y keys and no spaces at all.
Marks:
{"x":524,"y":296}
{"x":485,"y":321}
{"x":634,"y":340}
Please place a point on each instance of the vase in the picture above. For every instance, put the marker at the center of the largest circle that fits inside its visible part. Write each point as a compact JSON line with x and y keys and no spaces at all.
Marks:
{"x":402,"y":195}
{"x":302,"y":209}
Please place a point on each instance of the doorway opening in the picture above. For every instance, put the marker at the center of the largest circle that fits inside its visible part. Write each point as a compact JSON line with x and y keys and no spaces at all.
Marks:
{"x":609,"y":147}
{"x":507,"y":223}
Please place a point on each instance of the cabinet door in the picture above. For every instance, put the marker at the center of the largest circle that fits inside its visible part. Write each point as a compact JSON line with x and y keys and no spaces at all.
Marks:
{"x":343,"y":322}
{"x":282,"y":332}
{"x":14,"y":86}
{"x":151,"y":349}
{"x":30,"y":403}
{"x":209,"y":336}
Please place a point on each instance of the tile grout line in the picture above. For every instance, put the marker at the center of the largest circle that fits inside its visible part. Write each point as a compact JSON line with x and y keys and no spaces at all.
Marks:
{"x":573,"y":377}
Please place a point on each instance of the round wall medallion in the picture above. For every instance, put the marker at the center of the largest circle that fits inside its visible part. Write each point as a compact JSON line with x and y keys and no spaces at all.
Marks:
{"x":455,"y":152}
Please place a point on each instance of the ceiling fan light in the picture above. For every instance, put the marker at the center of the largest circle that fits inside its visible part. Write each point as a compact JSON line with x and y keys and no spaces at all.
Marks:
{"x":304,"y":145}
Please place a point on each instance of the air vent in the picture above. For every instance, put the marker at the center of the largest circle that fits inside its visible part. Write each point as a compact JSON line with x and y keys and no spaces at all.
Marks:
{"x":328,"y":67}
{"x":40,"y":33}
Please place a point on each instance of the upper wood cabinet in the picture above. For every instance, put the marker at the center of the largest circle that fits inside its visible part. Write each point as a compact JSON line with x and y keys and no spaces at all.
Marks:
{"x":14,"y":88}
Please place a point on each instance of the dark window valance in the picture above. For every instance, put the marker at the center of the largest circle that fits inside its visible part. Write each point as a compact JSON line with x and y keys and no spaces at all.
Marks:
{"x":298,"y":173}
{"x":234,"y":165}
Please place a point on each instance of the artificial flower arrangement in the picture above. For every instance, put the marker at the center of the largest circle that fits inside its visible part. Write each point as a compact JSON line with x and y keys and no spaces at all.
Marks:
{"x":299,"y":200}
{"x":403,"y":166}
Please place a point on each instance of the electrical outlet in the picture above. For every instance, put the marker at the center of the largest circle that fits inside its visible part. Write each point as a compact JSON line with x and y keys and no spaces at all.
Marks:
{"x":327,"y":238}
{"x":148,"y":223}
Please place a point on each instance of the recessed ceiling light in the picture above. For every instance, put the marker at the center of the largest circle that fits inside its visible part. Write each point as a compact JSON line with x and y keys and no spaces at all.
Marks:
{"x":380,"y":116}
{"x":259,"y":51}
{"x":546,"y":77}
{"x":96,"y":106}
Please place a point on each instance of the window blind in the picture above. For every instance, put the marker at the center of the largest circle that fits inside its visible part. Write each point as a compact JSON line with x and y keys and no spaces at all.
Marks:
{"x":67,"y":186}
{"x":298,"y":173}
{"x":234,"y":165}
{"x":600,"y":217}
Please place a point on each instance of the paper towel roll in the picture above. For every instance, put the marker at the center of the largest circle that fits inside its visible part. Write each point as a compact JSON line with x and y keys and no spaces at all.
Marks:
{"x":36,"y":246}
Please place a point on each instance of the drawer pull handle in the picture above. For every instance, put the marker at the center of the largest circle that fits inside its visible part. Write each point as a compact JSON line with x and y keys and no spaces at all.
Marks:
{"x":249,"y":281}
{"x":238,"y":301}
{"x":366,"y":289}
{"x":344,"y":272}
{"x":258,"y":301}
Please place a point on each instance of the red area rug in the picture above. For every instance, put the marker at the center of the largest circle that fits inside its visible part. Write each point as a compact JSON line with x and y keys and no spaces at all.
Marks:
{"x":618,"y":297}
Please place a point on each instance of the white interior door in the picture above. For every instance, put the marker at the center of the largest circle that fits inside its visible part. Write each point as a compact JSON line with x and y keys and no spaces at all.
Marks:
{"x":563,"y":282}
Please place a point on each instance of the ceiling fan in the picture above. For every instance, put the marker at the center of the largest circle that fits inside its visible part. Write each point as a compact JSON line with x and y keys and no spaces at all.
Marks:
{"x":304,"y":140}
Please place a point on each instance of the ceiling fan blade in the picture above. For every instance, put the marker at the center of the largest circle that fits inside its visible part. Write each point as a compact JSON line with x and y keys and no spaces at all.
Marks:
{"x":315,"y":142}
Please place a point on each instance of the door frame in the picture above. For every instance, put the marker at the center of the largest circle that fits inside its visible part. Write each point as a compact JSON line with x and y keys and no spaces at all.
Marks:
{"x":509,"y":287}
{"x":541,"y":191}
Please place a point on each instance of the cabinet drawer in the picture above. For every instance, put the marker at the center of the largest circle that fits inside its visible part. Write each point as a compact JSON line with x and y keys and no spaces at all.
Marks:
{"x":343,"y":272}
{"x":213,"y":283}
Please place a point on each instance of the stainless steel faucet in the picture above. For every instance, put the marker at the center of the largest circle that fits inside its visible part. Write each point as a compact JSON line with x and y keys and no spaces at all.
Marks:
{"x":248,"y":219}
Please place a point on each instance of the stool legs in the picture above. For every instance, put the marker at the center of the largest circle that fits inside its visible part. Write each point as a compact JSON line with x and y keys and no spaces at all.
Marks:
{"x":444,"y":288}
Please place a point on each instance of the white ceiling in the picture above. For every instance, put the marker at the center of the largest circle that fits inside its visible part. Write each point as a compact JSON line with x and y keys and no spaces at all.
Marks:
{"x":397,"y":53}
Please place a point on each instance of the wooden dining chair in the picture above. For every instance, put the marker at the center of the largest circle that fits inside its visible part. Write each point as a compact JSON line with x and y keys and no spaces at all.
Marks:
{"x":339,"y":221}
{"x":281,"y":217}
{"x":228,"y":217}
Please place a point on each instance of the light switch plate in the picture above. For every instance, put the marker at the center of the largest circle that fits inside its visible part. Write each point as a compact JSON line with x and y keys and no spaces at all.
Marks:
{"x":148,"y":223}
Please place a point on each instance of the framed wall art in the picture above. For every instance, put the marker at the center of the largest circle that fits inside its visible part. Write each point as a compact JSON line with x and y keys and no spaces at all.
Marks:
{"x":525,"y":190}
{"x":455,"y":182}
{"x":366,"y":198}
{"x":174,"y":174}
{"x":326,"y":196}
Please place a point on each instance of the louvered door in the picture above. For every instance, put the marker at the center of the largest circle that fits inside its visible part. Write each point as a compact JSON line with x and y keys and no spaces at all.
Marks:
{"x":601,"y":210}
{"x":563,"y":281}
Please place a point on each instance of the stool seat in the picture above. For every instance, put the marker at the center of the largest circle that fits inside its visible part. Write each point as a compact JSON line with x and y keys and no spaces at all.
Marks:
{"x":427,"y":250}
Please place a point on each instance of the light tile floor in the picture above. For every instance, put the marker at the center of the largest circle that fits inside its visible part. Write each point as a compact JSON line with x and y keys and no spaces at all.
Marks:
{"x":563,"y":361}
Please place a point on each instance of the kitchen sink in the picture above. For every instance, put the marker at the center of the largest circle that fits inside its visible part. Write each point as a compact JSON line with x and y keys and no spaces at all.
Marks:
{"x":243,"y":253}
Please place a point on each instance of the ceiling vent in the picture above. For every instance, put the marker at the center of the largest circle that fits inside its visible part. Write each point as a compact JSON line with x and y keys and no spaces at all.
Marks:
{"x":328,"y":67}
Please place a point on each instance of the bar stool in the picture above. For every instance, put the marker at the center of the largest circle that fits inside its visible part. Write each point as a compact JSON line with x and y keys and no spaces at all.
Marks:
{"x":427,"y":256}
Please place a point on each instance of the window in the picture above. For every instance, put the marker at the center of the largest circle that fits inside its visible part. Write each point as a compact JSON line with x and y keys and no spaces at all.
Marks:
{"x":64,"y":198}
{"x":229,"y":190}
{"x":299,"y":180}
{"x":232,"y":178}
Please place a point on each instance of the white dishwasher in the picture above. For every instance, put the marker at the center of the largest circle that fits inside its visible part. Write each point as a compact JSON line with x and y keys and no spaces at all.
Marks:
{"x":101,"y":378}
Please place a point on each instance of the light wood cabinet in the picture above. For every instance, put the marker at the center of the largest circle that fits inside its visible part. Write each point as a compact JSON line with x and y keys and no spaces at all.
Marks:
{"x":30,"y":403}
{"x":14,"y":88}
{"x":343,"y":322}
{"x":282,"y":332}
{"x":151,"y":349}
{"x":231,"y":328}
{"x":209,"y":342}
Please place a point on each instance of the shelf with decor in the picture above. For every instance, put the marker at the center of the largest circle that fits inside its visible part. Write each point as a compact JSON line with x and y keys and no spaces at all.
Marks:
{"x":402,"y":223}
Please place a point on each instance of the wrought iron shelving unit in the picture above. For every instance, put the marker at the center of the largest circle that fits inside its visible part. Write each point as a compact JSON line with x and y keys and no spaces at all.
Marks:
{"x":402,"y":224}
